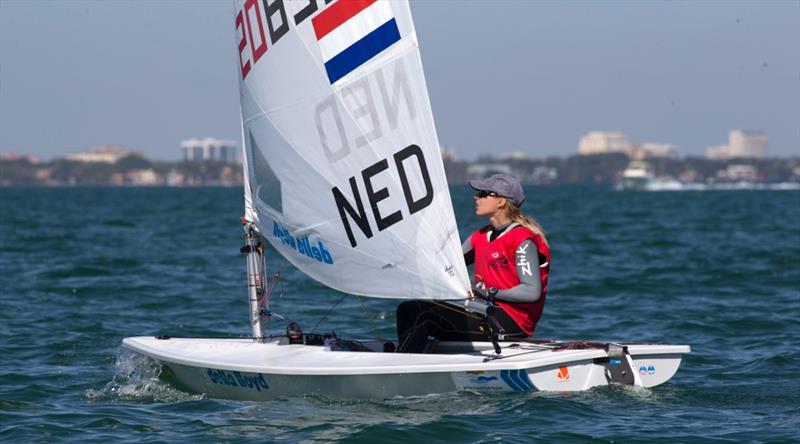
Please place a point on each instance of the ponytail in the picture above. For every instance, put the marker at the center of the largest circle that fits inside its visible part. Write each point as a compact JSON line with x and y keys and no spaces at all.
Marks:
{"x":528,"y":222}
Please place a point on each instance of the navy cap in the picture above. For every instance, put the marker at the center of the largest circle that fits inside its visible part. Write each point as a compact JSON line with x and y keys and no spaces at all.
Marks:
{"x":504,"y":185}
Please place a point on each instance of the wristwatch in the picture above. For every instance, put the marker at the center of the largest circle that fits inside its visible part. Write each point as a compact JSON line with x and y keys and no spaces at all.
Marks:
{"x":491,"y":292}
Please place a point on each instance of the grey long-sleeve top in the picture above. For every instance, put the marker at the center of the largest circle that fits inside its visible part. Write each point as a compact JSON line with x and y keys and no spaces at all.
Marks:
{"x":526,"y":259}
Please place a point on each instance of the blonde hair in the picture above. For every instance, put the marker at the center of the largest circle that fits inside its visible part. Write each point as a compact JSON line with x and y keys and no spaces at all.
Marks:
{"x":528,"y":222}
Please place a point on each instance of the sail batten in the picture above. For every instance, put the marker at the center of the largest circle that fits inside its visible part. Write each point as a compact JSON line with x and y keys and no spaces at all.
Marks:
{"x":341,"y":152}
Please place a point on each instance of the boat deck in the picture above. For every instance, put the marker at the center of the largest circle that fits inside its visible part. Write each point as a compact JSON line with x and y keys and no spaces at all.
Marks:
{"x":274,"y":358}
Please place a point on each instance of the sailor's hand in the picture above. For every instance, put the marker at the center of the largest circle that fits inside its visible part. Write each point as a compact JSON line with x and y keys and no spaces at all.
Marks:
{"x":481,"y":292}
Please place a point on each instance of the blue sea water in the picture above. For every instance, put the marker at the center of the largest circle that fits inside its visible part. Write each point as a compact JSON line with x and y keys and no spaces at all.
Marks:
{"x":82,"y":268}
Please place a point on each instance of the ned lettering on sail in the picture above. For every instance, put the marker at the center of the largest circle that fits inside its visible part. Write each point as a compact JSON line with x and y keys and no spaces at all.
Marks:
{"x":401,"y":160}
{"x":362,"y":98}
{"x":365,"y":98}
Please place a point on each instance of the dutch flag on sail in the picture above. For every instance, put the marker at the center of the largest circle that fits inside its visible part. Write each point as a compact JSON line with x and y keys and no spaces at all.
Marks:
{"x":351,"y":32}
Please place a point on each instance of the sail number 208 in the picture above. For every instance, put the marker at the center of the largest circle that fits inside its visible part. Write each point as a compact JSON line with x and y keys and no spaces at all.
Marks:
{"x":250,"y":26}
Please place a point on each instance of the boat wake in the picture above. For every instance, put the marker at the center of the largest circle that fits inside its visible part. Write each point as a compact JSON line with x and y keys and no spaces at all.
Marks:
{"x":137,"y":378}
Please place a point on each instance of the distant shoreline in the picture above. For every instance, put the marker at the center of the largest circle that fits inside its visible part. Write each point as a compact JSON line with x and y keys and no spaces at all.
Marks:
{"x":599,"y":169}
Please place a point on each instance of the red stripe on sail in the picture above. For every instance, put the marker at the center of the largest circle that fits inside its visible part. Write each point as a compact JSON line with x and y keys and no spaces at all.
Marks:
{"x":336,"y":14}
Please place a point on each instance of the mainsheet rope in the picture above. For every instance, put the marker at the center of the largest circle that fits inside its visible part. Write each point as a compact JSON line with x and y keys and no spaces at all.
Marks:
{"x":369,"y":319}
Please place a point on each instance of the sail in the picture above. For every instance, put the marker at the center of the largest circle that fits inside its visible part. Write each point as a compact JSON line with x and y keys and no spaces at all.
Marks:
{"x":345,"y":177}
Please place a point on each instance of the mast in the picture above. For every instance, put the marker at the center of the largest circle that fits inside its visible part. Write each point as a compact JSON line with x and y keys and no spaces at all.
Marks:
{"x":254,"y":248}
{"x":255,"y":283}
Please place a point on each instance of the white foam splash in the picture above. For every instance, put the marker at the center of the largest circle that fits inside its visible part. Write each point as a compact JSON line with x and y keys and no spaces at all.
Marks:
{"x":136,"y":378}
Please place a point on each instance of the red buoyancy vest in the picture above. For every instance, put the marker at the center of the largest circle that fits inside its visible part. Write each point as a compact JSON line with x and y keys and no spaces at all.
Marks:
{"x":494,"y":265}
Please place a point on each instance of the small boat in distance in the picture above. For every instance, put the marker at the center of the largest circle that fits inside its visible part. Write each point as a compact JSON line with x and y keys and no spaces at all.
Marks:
{"x":344,"y":178}
{"x":639,"y":176}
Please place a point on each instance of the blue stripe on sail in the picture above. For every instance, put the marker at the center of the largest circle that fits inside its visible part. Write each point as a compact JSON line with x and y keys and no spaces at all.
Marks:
{"x":506,"y":376}
{"x":361,"y":51}
{"x":524,"y":381}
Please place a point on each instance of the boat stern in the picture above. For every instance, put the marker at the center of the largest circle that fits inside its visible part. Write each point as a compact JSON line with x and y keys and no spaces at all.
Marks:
{"x":656,"y":364}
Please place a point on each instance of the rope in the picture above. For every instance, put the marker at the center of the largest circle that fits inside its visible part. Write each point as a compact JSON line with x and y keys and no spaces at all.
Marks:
{"x":485,"y":325}
{"x":329,"y":312}
{"x":457,"y":310}
{"x":369,"y":319}
{"x":498,"y":357}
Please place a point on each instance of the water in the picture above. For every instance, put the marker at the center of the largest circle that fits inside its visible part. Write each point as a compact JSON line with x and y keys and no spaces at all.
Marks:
{"x":83,"y":268}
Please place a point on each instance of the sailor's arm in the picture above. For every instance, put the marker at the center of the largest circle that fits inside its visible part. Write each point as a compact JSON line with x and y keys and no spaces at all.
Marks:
{"x":529,"y":288}
{"x":469,"y":253}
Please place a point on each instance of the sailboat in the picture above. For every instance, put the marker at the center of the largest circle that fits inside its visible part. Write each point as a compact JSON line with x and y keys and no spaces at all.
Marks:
{"x":344,"y":179}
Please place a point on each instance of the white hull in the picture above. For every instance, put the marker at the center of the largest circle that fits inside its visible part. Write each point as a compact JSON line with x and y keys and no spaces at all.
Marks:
{"x":248,"y":370}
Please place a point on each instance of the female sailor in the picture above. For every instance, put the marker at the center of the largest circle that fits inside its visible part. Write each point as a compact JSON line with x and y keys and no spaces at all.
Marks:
{"x":512,"y":262}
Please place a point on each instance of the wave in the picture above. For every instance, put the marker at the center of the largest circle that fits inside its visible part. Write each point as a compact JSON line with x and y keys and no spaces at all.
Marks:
{"x":137,"y":378}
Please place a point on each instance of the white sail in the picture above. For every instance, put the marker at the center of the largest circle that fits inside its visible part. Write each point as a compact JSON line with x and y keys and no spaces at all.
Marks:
{"x":345,"y":175}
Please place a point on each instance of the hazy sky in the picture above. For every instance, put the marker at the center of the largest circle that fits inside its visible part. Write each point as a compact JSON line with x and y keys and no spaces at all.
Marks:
{"x":502,"y":75}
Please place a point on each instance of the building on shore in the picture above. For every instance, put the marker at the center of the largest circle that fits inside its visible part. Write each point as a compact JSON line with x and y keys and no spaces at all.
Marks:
{"x":448,"y":154}
{"x":481,"y":170}
{"x":104,"y":154}
{"x":651,"y":150}
{"x":603,"y":142}
{"x":200,"y":150}
{"x":14,"y":157}
{"x":739,"y":172}
{"x":515,"y":155}
{"x":741,"y":144}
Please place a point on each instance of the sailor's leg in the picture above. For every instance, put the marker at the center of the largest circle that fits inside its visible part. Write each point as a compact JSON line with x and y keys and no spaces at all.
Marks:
{"x":458,"y":325}
{"x":503,"y":321}
{"x":419,"y":320}
{"x":413,"y":326}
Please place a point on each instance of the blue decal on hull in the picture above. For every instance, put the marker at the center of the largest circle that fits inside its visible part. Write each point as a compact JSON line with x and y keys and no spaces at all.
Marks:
{"x":237,"y":379}
{"x":522,"y":376}
{"x":517,"y":379}
{"x":483,"y":380}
